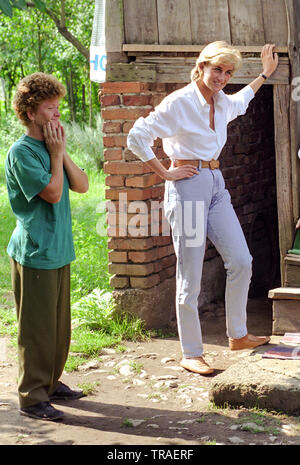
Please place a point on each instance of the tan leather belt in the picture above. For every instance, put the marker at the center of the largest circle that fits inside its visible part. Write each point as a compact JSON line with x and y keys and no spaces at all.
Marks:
{"x":212,"y":164}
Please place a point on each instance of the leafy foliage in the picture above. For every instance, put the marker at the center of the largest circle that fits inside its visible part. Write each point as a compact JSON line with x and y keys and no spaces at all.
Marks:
{"x":30,"y":41}
{"x":6,"y":6}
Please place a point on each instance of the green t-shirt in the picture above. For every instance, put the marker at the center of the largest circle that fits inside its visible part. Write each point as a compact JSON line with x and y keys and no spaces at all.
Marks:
{"x":43,"y":234}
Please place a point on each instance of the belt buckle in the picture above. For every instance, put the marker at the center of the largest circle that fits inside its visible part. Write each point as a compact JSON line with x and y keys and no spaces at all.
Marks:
{"x":213,"y":164}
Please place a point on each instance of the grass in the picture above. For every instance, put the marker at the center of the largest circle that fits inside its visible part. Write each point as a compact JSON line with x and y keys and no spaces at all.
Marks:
{"x":95,"y":324}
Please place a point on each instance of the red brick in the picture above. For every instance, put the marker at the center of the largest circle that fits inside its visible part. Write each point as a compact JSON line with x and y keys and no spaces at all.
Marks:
{"x":117,"y":256}
{"x":119,"y":282}
{"x":111,"y":127}
{"x":143,"y":181}
{"x":161,"y":240}
{"x":112,"y":154}
{"x":115,"y":141}
{"x":132,"y":194}
{"x":144,"y":256}
{"x":108,"y":100}
{"x":130,"y":156}
{"x":124,"y":87}
{"x":165,"y":251}
{"x":156,"y":99}
{"x":158,"y":192}
{"x":145,"y":282}
{"x":127,"y":243}
{"x":130,"y":269}
{"x":136,"y":100}
{"x":160,"y":154}
{"x":115,"y":181}
{"x":168,"y":261}
{"x":130,"y":114}
{"x":167,"y":273}
{"x":127,"y":126}
{"x":115,"y":167}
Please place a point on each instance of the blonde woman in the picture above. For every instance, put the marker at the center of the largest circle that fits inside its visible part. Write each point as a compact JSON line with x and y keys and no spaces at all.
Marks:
{"x":193,"y":123}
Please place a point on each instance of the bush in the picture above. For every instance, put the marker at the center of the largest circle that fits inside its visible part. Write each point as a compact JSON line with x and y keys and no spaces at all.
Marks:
{"x":85,"y":144}
{"x":10,"y":130}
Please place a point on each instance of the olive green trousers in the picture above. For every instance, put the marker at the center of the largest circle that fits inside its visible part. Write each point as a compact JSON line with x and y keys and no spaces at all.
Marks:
{"x":42,"y":300}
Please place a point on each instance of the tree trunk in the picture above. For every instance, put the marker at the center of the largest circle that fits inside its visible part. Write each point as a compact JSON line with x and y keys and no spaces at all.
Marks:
{"x":90,"y":106}
{"x":39,"y":45}
{"x":83,"y":102}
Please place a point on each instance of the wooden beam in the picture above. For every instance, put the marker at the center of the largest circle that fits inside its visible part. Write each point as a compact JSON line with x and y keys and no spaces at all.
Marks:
{"x":294,"y":57}
{"x":286,"y":226}
{"x":178,"y":69}
{"x":246,"y":22}
{"x":191,"y":48}
{"x":284,"y":293}
{"x":114,"y":31}
{"x":130,"y":72}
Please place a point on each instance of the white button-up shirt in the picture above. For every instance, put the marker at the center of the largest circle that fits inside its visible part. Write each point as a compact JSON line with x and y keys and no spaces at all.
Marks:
{"x":182,"y":121}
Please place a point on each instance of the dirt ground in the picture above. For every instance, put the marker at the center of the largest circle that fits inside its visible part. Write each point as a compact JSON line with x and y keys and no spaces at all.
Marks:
{"x":143,"y":397}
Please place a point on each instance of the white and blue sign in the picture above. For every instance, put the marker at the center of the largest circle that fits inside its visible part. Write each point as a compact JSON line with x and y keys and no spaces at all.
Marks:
{"x":97,"y":63}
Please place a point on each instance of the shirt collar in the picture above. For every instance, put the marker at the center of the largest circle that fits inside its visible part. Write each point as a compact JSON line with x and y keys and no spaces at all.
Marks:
{"x":217,"y":97}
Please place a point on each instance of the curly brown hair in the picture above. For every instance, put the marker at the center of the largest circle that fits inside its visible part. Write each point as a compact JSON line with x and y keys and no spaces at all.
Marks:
{"x":32,"y":90}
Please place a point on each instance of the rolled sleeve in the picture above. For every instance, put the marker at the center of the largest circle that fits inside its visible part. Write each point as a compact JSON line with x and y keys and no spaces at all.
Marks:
{"x":139,"y":141}
{"x":162,"y":122}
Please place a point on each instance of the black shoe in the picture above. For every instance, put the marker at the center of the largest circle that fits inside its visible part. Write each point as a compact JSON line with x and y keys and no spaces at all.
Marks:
{"x":42,"y":411}
{"x":63,"y":392}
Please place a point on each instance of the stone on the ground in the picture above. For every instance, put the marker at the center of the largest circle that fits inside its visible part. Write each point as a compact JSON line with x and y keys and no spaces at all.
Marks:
{"x":256,"y":382}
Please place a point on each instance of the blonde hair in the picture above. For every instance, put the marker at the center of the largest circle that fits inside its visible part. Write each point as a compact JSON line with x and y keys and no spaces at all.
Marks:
{"x":33,"y":90}
{"x":217,"y":53}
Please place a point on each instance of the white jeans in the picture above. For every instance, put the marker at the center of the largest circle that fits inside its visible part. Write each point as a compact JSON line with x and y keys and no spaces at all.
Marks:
{"x":197,"y":208}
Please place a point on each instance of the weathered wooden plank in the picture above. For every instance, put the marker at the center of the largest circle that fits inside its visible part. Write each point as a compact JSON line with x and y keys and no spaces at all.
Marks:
{"x":297,"y":4}
{"x":179,"y":70}
{"x":246,"y":22}
{"x":209,"y":21}
{"x":127,"y":72}
{"x":249,"y":71}
{"x":284,"y":293}
{"x":140,"y":20}
{"x":293,"y":19}
{"x":114,"y":28}
{"x":281,"y":95}
{"x":173,"y":19}
{"x":292,"y":270}
{"x":275,"y":22}
{"x":286,"y":316}
{"x":171,"y":48}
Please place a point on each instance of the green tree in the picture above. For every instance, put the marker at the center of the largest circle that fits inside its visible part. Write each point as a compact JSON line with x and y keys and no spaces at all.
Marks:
{"x":29,"y":42}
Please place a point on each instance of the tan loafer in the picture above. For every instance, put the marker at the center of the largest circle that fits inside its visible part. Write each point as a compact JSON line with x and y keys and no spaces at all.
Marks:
{"x":197,"y":365}
{"x":248,"y":342}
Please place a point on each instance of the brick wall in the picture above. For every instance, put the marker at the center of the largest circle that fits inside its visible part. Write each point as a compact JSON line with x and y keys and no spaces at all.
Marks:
{"x":142,"y":260}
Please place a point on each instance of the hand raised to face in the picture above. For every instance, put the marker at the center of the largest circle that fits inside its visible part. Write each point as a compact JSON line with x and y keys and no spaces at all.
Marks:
{"x":55,"y":138}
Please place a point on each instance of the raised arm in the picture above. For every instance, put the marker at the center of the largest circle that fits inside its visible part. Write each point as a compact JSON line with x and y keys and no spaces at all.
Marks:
{"x":55,"y":142}
{"x":269,"y":64}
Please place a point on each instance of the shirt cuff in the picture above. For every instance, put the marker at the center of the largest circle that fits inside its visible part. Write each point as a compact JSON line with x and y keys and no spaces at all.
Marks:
{"x":141,"y":150}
